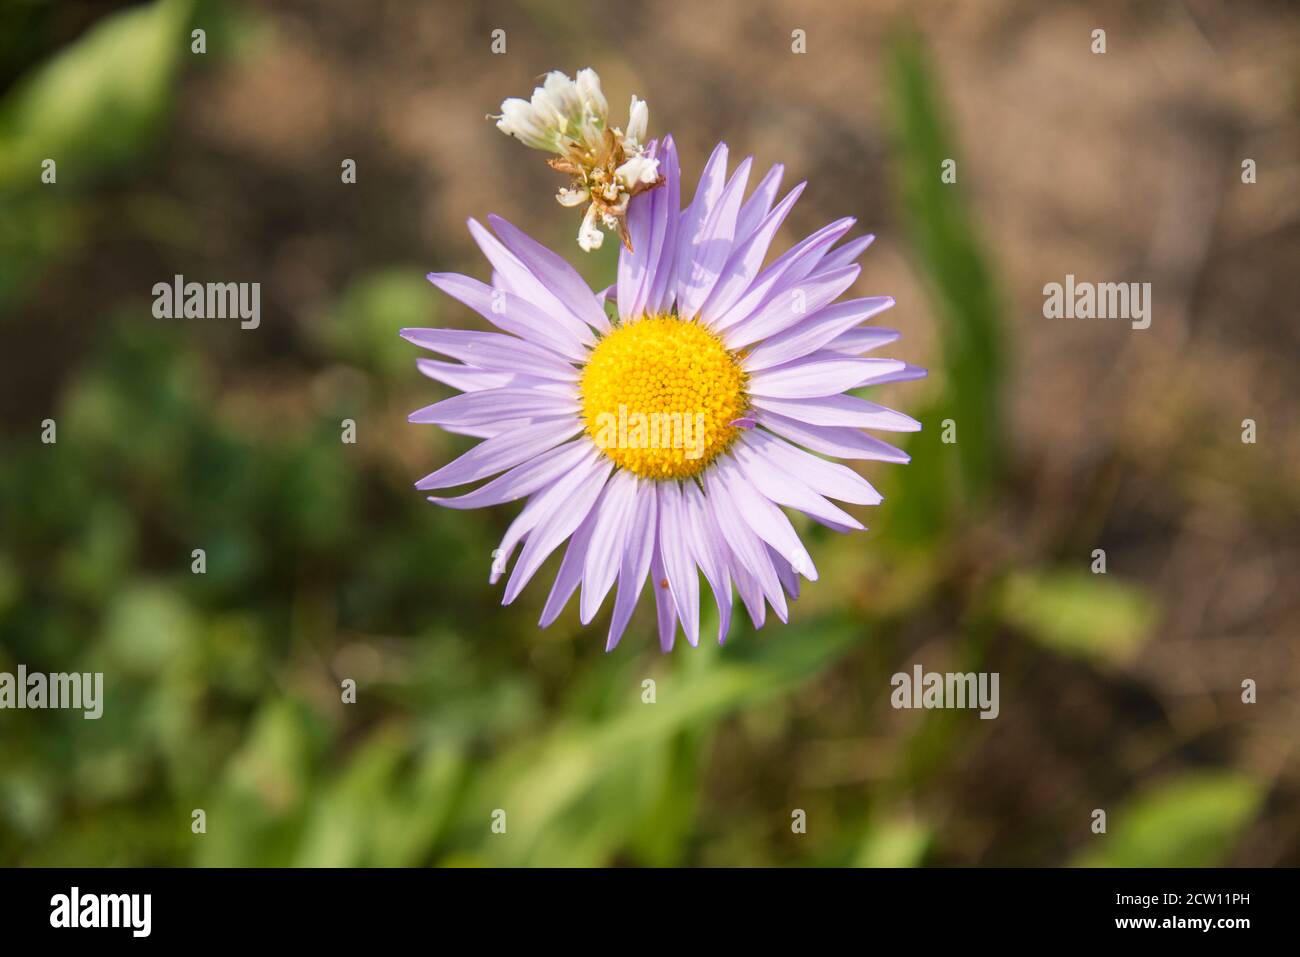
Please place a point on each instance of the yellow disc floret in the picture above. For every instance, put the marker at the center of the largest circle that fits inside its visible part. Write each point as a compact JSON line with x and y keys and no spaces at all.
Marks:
{"x":659,"y":395}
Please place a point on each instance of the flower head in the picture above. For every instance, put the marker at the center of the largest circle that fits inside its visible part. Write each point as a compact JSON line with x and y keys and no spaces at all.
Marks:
{"x":667,"y":442}
{"x":606,"y":165}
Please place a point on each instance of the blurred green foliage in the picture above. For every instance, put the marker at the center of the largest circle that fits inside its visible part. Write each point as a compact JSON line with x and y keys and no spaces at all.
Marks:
{"x":223,"y":689}
{"x":1192,"y":821}
{"x":97,"y":101}
{"x":953,"y":262}
{"x":1079,"y":613}
{"x":361,"y":333}
{"x":91,"y":108}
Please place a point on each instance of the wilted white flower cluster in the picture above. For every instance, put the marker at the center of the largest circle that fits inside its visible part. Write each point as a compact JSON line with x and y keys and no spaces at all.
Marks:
{"x":607,"y":165}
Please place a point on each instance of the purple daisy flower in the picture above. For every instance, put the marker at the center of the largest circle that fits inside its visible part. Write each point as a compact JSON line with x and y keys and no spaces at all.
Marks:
{"x":666,"y":443}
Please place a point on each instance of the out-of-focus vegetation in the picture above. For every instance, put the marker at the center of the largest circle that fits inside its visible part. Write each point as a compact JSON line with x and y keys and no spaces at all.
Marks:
{"x":223,"y":689}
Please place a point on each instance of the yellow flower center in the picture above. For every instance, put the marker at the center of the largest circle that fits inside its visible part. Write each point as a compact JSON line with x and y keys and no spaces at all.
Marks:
{"x":659,"y":395}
